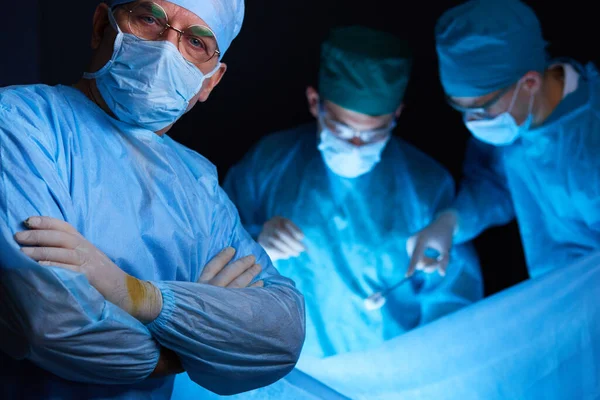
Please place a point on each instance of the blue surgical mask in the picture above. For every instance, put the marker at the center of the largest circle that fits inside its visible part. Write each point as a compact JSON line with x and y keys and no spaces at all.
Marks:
{"x":503,"y":129}
{"x":147,"y":83}
{"x":348,"y":160}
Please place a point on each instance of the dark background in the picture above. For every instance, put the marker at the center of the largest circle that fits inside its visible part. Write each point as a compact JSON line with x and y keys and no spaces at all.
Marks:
{"x":275,"y":58}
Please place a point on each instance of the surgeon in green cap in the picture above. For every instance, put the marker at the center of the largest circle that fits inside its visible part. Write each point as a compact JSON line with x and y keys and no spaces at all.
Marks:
{"x":334,"y":201}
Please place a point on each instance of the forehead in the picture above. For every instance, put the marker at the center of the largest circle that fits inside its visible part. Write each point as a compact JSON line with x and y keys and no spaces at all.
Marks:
{"x":473,"y":102}
{"x":355,"y":119}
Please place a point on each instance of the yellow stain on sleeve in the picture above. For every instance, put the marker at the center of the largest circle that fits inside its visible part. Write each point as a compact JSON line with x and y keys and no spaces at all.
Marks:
{"x":137,"y":293}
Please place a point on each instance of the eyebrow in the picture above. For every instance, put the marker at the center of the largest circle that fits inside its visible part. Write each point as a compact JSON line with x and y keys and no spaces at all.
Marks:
{"x":150,"y":7}
{"x":471,"y":104}
{"x":202,"y":31}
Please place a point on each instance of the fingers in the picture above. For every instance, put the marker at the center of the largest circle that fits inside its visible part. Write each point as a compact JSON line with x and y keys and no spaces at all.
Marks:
{"x":74,"y":268}
{"x":288,"y":238}
{"x":432,"y":260}
{"x":233,"y":271}
{"x":53,"y":255}
{"x":272,"y":245}
{"x":258,"y":284}
{"x":245,"y":278}
{"x":47,"y":238}
{"x":416,"y":258}
{"x":294,"y":230}
{"x":49,"y":223}
{"x":443,"y":266}
{"x":286,"y":244}
{"x":217,"y":264}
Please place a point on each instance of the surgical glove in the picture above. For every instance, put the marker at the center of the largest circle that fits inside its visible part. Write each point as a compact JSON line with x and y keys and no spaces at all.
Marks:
{"x":56,"y":243}
{"x":281,"y":239}
{"x":429,"y":249}
{"x":237,"y":275}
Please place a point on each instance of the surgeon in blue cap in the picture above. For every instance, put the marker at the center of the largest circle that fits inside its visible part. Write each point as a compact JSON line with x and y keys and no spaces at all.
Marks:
{"x":122,"y":261}
{"x":536,"y":137}
{"x":334,"y":201}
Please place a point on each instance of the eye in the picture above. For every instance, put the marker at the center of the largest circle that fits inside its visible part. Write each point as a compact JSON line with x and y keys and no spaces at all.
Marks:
{"x":196,"y":42}
{"x":147,"y":19}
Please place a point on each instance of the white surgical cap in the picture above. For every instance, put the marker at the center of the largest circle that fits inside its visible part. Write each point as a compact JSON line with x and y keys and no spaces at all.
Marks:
{"x":224,"y":17}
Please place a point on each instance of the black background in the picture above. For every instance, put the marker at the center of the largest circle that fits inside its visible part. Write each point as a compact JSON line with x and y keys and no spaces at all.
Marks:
{"x":275,"y":58}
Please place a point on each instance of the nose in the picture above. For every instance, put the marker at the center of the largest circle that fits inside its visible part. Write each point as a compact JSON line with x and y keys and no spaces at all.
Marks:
{"x":357,"y":141}
{"x":470,"y":116}
{"x":171,"y":35}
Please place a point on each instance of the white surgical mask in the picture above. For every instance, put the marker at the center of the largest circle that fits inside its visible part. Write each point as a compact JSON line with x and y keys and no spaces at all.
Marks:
{"x":348,"y":160}
{"x":503,"y":129}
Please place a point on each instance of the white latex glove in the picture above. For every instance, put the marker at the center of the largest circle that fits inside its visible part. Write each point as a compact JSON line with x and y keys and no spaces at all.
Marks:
{"x":430,"y":248}
{"x":53,"y":242}
{"x":281,"y":239}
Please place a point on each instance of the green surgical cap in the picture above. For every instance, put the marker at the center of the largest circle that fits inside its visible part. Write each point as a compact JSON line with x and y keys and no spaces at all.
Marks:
{"x":364,"y":70}
{"x":487,"y":45}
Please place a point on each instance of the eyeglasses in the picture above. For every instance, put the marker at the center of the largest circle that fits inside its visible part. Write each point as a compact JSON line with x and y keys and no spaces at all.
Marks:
{"x":348,"y":133}
{"x":149,"y":21}
{"x":482,"y":110}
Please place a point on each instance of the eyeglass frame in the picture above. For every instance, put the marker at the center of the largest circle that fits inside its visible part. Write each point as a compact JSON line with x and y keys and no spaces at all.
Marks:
{"x":383,"y":131}
{"x":482,"y":109}
{"x":167,"y":27}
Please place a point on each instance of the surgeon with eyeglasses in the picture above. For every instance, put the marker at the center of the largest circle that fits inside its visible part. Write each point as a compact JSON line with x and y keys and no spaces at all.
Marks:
{"x":122,"y":261}
{"x":334,"y":201}
{"x":535,"y":125}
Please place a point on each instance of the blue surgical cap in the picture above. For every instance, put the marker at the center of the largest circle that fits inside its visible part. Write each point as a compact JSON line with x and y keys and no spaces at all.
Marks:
{"x":224,"y":17}
{"x":487,"y":45}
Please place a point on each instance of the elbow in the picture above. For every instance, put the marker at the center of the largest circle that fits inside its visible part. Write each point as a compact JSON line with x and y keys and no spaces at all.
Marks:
{"x":271,"y":353}
{"x":290,"y":327}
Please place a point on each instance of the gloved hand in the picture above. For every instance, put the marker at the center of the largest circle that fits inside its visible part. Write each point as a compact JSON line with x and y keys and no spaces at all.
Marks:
{"x":430,"y":248}
{"x":281,"y":239}
{"x":53,"y":242}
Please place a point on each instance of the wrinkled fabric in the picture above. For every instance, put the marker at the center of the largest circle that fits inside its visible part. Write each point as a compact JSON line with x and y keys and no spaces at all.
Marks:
{"x":364,"y":70}
{"x":549,"y":179}
{"x":50,"y":317}
{"x":356,"y":232}
{"x":224,"y":17}
{"x":155,"y":208}
{"x":487,"y":45}
{"x":295,"y":386}
{"x":537,"y":340}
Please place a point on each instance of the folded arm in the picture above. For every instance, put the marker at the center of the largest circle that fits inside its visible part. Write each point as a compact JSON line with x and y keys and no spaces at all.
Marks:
{"x":233,"y":340}
{"x":61,"y":323}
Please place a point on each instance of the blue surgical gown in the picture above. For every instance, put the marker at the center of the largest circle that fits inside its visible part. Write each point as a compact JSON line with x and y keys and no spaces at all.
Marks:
{"x":156,"y":209}
{"x":549,"y":179}
{"x":356,"y":232}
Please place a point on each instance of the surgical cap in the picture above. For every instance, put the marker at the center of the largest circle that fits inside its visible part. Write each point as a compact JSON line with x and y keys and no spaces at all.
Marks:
{"x":364,"y":70}
{"x":224,"y":17}
{"x":487,"y":45}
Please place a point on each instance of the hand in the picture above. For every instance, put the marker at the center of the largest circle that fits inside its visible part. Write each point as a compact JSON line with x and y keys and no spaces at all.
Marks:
{"x":53,"y":242}
{"x":281,"y":239}
{"x":435,"y":238}
{"x":237,"y":275}
{"x":168,"y":364}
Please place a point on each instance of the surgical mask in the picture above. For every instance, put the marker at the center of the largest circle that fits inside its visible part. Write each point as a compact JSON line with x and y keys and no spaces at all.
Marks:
{"x":503,"y":129}
{"x":348,"y":160}
{"x":147,"y":83}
